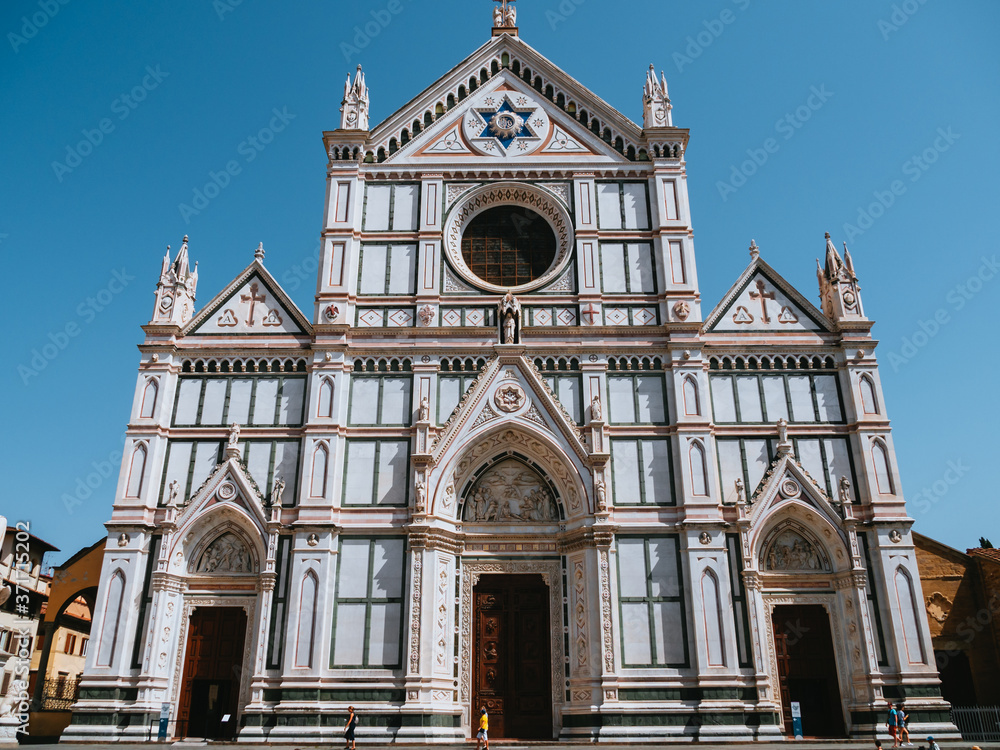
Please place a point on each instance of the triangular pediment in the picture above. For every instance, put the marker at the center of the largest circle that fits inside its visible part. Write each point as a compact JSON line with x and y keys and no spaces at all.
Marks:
{"x":546,"y":108}
{"x":253,"y":304}
{"x":787,"y":482}
{"x":762,"y":301}
{"x":231,"y":487}
{"x":509,"y":391}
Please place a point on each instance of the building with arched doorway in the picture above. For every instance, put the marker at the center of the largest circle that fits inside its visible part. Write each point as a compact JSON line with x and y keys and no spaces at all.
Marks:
{"x":508,"y":460}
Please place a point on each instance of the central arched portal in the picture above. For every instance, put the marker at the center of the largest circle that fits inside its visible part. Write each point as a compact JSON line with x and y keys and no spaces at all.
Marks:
{"x":511,"y":670}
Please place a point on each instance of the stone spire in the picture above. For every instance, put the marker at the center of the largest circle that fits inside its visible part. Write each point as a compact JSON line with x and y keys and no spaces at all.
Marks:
{"x":354,"y":107}
{"x":258,"y":254}
{"x":175,"y":291}
{"x":655,"y":101}
{"x":839,"y":290}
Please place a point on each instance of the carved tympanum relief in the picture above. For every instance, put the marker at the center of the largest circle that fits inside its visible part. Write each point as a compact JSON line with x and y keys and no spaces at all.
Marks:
{"x":510,"y":492}
{"x":791,"y":552}
{"x":227,"y":554}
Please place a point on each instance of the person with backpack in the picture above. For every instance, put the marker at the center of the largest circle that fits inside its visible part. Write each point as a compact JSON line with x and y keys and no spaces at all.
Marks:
{"x":352,"y":723}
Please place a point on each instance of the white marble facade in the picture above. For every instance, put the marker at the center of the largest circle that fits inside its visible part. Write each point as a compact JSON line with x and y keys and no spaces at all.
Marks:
{"x":348,"y":477}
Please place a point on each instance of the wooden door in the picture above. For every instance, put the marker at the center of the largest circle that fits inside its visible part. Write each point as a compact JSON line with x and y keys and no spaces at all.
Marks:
{"x":212,"y":667}
{"x":512,"y":669}
{"x":807,"y":669}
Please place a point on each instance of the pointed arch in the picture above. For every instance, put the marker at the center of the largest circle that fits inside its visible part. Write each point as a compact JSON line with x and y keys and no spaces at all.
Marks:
{"x":306,"y":636}
{"x":324,"y":403}
{"x":711,"y":598}
{"x":136,"y":470}
{"x":692,"y":403}
{"x":880,"y":459}
{"x":909,"y":616}
{"x":320,"y":462}
{"x":148,"y":406}
{"x":110,"y":626}
{"x":699,"y":468}
{"x":869,"y":402}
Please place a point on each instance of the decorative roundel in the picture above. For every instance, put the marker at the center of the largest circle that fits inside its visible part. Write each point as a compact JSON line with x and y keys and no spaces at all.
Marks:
{"x":227,"y":491}
{"x":505,"y":123}
{"x":509,"y":397}
{"x":789,"y":488}
{"x":537,"y":202}
{"x":849,"y":299}
{"x":166,"y":302}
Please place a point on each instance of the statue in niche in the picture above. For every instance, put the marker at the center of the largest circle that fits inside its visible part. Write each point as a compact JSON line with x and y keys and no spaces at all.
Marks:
{"x":793,"y":553}
{"x":740,"y":491}
{"x":234,"y":435}
{"x":424,"y":412}
{"x":509,"y":316}
{"x":227,"y":554}
{"x":421,"y":498}
{"x":172,"y":493}
{"x":510,"y":493}
{"x":782,"y":431}
{"x":595,"y":408}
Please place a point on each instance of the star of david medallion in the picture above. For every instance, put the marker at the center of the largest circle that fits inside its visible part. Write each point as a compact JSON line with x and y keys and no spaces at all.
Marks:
{"x":497,"y":126}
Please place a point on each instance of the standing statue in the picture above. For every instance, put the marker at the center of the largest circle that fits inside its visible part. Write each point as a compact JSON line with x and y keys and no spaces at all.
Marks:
{"x":782,"y":431}
{"x":509,"y":315}
{"x":277,"y":491}
{"x":424,"y":412}
{"x":595,"y":408}
{"x":497,"y":17}
{"x":739,"y":490}
{"x":845,"y":491}
{"x":510,"y":16}
{"x":420,"y":504}
{"x":234,"y":434}
{"x":509,"y":325}
{"x":602,"y":497}
{"x":172,"y":493}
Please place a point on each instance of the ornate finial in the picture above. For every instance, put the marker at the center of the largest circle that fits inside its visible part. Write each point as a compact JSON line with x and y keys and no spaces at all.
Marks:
{"x":258,"y":254}
{"x":186,"y":238}
{"x":754,"y":250}
{"x":828,"y":235}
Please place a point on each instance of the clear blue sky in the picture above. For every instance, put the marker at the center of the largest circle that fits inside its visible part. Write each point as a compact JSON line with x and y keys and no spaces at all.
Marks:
{"x":82,"y":240}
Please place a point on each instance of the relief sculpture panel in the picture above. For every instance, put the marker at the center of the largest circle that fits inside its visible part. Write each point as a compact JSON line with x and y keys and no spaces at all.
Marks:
{"x":510,"y":492}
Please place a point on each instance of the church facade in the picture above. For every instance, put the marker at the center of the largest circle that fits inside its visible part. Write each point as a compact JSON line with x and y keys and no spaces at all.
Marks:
{"x":508,"y":460}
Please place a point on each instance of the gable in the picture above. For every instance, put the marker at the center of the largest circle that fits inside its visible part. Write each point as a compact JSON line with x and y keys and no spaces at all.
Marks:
{"x":506,"y":119}
{"x":762,"y":301}
{"x":253,"y":304}
{"x":509,"y":60}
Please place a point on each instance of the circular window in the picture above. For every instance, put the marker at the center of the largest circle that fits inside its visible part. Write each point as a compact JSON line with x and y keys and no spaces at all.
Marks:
{"x":509,"y":237}
{"x":508,"y":246}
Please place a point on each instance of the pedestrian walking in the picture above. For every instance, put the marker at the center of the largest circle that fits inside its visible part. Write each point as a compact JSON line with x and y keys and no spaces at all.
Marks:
{"x":352,"y":723}
{"x":484,"y":726}
{"x":902,"y":720}
{"x":891,"y":724}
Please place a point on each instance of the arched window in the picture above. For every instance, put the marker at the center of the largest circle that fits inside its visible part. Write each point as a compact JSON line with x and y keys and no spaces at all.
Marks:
{"x":691,"y":402}
{"x":307,"y":621}
{"x":136,"y":468}
{"x":112,"y":616}
{"x":883,"y":477}
{"x":317,"y":487}
{"x":148,"y":399}
{"x":699,"y":477}
{"x":868,"y":401}
{"x":910,"y":617}
{"x":325,"y":401}
{"x":712,"y":614}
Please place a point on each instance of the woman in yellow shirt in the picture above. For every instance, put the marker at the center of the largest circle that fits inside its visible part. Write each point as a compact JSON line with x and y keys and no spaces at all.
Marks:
{"x":484,"y":725}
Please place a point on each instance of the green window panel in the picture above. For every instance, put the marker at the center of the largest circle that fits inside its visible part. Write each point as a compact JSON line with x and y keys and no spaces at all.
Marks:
{"x":391,"y":207}
{"x":388,"y":269}
{"x":249,"y":400}
{"x":380,"y":400}
{"x":627,"y":268}
{"x":641,"y":471}
{"x":651,"y":602}
{"x":760,"y":398}
{"x":368,"y":603}
{"x":376,"y":472}
{"x":637,"y":399}
{"x":622,"y":205}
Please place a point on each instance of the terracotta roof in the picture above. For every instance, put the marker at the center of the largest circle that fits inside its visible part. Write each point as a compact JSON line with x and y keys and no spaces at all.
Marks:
{"x":989,"y":554}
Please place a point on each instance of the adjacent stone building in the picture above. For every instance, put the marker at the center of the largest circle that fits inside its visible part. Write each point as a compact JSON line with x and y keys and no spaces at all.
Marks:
{"x":508,"y":459}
